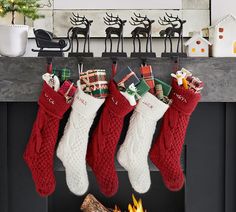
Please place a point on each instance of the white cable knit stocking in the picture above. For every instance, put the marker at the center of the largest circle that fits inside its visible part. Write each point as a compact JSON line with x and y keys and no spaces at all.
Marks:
{"x":73,"y":145}
{"x":133,"y":153}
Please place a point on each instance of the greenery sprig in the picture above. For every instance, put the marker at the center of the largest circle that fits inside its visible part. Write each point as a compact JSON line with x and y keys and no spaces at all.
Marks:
{"x":28,"y":8}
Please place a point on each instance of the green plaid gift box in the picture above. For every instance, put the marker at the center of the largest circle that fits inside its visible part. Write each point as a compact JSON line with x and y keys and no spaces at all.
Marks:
{"x":142,"y":88}
{"x":64,"y":74}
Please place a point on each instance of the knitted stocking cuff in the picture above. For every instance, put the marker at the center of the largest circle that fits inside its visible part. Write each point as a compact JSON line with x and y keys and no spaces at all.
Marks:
{"x":116,"y":102}
{"x":184,"y":100}
{"x":116,"y":108}
{"x":52,"y":102}
{"x":151,"y":107}
{"x":85,"y":104}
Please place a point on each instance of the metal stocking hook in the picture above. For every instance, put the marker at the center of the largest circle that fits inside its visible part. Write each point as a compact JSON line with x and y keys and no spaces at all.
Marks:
{"x":144,"y":62}
{"x":49,"y":65}
{"x":114,"y":66}
{"x":114,"y":60}
{"x":80,"y":68}
{"x":176,"y":63}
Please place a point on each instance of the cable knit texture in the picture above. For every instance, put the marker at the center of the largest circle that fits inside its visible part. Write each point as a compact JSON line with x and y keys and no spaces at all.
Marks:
{"x":39,"y":152}
{"x":73,"y":145}
{"x":133,"y":154}
{"x":101,"y":150}
{"x":166,"y":151}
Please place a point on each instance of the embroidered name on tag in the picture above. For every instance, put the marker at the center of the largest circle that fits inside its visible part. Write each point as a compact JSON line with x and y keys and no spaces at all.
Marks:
{"x":49,"y":99}
{"x":181,"y":98}
{"x":148,"y":104}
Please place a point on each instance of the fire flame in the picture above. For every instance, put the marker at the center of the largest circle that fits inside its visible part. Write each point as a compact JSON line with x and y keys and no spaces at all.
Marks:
{"x":116,"y":209}
{"x":137,"y":205}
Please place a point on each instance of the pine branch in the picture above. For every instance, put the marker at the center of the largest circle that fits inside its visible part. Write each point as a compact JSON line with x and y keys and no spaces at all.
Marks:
{"x":28,"y":8}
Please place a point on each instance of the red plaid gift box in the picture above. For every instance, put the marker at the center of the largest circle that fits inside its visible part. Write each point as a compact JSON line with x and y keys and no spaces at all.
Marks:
{"x":146,"y":72}
{"x":67,"y":89}
{"x":94,"y":82}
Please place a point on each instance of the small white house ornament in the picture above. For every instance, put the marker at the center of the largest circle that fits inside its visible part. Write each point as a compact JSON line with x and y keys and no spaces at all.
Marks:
{"x":197,"y":46}
{"x":223,"y":37}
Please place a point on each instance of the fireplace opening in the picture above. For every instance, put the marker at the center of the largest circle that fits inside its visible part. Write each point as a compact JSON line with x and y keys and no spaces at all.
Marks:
{"x":158,"y":198}
{"x":204,"y":160}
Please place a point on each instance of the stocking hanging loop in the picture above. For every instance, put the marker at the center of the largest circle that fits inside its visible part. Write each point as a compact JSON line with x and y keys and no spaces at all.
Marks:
{"x":49,"y":65}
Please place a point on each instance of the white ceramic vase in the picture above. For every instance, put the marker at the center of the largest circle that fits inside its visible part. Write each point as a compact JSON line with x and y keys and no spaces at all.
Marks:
{"x":13,"y":40}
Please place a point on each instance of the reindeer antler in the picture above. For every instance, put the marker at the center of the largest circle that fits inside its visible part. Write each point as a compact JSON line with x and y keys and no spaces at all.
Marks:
{"x":168,"y":21}
{"x":111,"y":20}
{"x":111,"y":16}
{"x":164,"y":21}
{"x":77,"y":20}
{"x":176,"y":18}
{"x":138,"y":20}
{"x":139,"y":16}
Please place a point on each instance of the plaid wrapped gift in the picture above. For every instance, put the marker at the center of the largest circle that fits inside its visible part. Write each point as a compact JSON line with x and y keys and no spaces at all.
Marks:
{"x":67,"y":89}
{"x":142,"y":88}
{"x":159,"y":91}
{"x":147,"y":75}
{"x":94,"y":82}
{"x":165,"y":87}
{"x":63,"y":74}
{"x":125,"y":78}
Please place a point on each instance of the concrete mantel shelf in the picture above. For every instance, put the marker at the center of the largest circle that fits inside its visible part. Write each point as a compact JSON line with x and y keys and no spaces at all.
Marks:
{"x":20,"y":78}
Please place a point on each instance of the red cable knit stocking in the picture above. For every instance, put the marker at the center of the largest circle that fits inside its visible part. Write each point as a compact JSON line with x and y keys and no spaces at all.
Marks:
{"x":39,"y":152}
{"x":101,"y":150}
{"x":166,"y":151}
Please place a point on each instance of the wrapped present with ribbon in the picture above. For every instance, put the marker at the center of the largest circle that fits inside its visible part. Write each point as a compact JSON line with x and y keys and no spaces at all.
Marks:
{"x":147,"y":75}
{"x":165,"y":87}
{"x":67,"y":89}
{"x":159,"y":91}
{"x":94,"y":82}
{"x":134,"y":93}
{"x":63,"y":74}
{"x":125,"y":78}
{"x":130,"y":94}
{"x":142,"y":88}
{"x":195,"y":83}
{"x":162,"y":91}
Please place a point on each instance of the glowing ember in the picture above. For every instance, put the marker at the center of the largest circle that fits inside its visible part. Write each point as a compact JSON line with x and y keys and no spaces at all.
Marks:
{"x":137,"y":206}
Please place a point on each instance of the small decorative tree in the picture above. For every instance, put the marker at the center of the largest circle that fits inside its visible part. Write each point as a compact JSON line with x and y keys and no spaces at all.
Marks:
{"x":28,"y":8}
